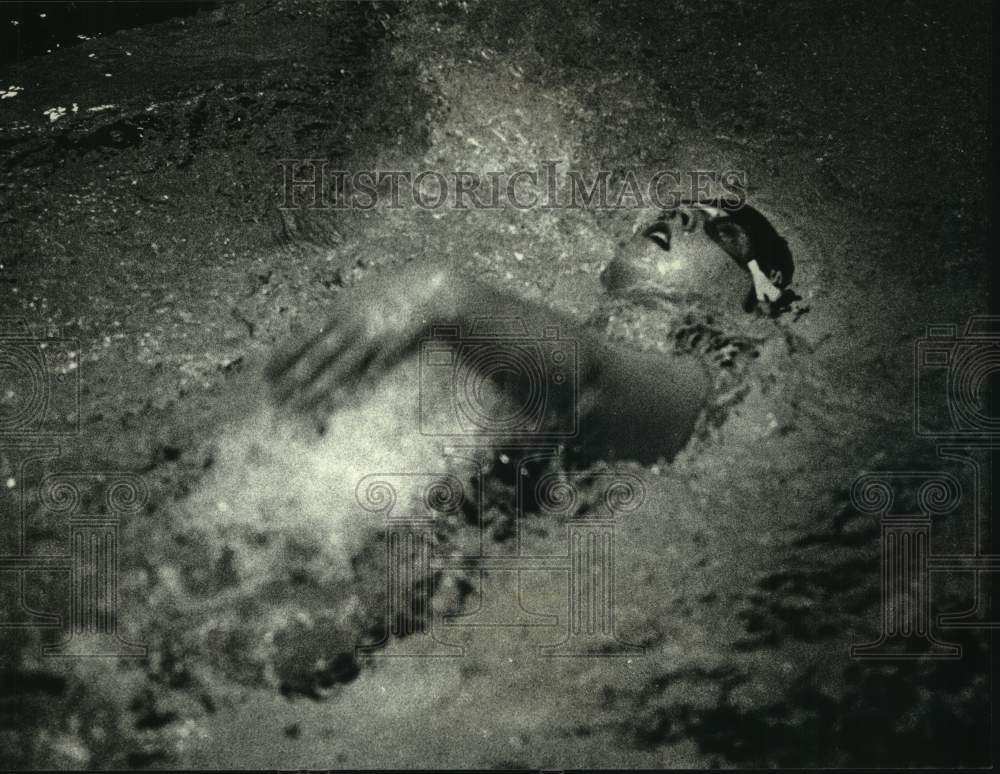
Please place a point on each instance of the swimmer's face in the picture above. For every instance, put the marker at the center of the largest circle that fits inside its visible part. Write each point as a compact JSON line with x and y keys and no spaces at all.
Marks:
{"x":674,"y":257}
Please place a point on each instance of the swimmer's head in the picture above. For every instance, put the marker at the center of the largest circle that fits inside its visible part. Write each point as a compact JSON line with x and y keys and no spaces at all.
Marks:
{"x":700,"y":251}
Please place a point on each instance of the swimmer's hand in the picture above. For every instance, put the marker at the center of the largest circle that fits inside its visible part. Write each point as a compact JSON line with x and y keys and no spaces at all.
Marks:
{"x":372,"y":328}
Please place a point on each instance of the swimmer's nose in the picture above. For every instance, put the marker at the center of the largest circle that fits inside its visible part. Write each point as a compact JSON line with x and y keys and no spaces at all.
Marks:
{"x":619,"y":275}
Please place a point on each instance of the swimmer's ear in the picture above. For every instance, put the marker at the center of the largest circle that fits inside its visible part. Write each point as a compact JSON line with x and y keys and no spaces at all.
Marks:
{"x":732,"y":237}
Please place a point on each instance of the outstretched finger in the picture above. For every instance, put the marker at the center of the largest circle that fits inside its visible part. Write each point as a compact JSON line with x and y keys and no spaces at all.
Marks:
{"x":313,"y":359}
{"x":339,"y":375}
{"x":287,"y":357}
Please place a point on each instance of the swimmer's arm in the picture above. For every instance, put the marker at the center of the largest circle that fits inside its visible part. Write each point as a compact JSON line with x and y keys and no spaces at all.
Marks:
{"x":382,"y":320}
